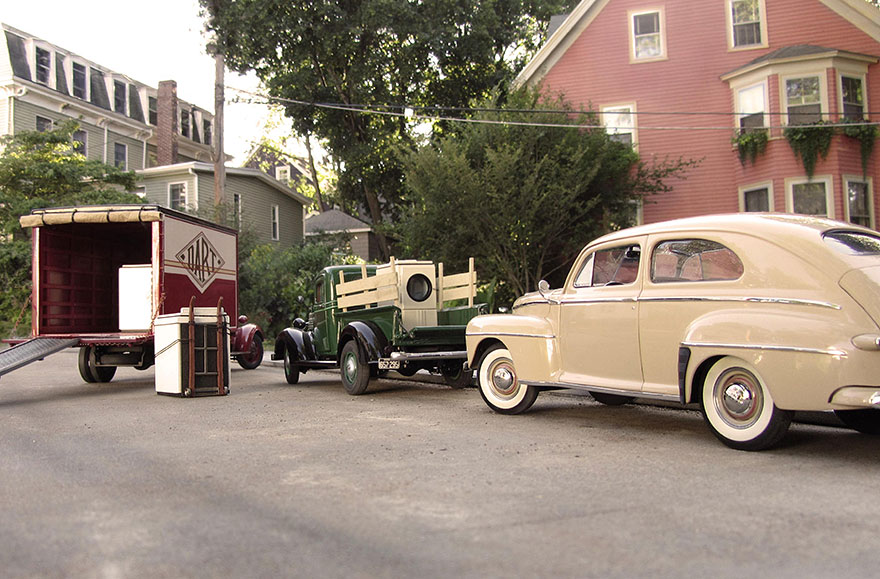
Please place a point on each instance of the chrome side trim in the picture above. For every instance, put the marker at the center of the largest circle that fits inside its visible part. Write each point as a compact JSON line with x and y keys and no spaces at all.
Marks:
{"x":453,"y":355}
{"x":633,"y":393}
{"x":714,"y":299}
{"x":511,"y":334}
{"x":829,"y":351}
{"x":758,"y":300}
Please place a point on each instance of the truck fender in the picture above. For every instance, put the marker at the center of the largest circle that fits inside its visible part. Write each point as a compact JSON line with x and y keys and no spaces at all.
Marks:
{"x":370,"y":337}
{"x":244,"y":336}
{"x":296,"y":341}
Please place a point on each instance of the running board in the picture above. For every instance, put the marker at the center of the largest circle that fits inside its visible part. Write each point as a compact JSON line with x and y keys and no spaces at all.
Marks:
{"x":35,"y":349}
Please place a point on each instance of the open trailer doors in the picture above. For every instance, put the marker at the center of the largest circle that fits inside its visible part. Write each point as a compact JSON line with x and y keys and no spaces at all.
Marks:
{"x":103,"y":274}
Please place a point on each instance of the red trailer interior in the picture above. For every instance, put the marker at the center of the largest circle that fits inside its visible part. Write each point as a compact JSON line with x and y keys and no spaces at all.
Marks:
{"x":78,"y":275}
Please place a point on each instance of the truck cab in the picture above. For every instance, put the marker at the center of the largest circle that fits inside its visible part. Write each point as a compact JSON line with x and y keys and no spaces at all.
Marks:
{"x":368,"y":319}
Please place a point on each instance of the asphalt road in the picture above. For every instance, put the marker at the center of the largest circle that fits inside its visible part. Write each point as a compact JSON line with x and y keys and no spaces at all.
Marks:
{"x":409,"y":480}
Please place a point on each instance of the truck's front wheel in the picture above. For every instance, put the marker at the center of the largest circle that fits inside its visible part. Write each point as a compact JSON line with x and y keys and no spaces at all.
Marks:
{"x":355,"y":370}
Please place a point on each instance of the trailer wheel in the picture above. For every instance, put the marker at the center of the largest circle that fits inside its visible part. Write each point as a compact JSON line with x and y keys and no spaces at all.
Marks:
{"x":83,"y":364}
{"x":254,"y":356}
{"x":355,"y":371}
{"x":89,"y":369}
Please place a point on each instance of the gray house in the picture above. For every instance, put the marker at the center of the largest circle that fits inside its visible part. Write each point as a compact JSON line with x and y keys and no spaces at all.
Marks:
{"x":256,"y":201}
{"x":121,"y":120}
{"x":336,"y":224}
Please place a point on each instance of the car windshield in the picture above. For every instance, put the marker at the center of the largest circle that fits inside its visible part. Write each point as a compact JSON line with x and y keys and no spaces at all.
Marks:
{"x":853,"y":242}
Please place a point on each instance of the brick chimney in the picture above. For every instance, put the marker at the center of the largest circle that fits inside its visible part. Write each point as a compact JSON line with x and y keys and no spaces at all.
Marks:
{"x":167,"y":119}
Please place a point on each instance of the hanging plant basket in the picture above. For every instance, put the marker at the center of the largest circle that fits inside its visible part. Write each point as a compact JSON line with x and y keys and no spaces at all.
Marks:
{"x":809,"y":142}
{"x":750,"y":144}
{"x":865,"y":135}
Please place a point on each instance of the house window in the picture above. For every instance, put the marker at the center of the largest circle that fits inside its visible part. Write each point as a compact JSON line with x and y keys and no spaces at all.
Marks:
{"x":195,"y":127}
{"x":803,"y":99}
{"x":153,"y":106}
{"x":745,"y":20}
{"x":60,"y":75}
{"x":859,"y":201}
{"x":751,"y":107}
{"x":177,"y":198}
{"x":44,"y":124}
{"x":853,"y":98}
{"x":79,"y":141}
{"x":184,"y":123}
{"x":276,"y":229}
{"x":646,"y":32}
{"x":282,"y":173}
{"x":79,"y":81}
{"x":619,"y":123}
{"x":119,"y":94}
{"x":44,"y":65}
{"x":755,"y":199}
{"x":236,"y":209}
{"x":120,"y":156}
{"x":206,"y":131}
{"x":809,"y":197}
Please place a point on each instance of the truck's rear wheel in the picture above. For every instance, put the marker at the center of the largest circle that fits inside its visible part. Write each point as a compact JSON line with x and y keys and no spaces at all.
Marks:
{"x":254,"y":356}
{"x":455,"y":375}
{"x":355,"y":370}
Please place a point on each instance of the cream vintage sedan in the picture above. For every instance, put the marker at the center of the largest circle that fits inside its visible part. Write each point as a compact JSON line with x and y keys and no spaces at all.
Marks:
{"x":753,"y":316}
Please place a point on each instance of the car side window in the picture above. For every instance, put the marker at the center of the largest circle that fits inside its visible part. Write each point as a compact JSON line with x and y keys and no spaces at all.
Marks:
{"x":319,"y":292}
{"x":614,"y":266}
{"x":694,"y":260}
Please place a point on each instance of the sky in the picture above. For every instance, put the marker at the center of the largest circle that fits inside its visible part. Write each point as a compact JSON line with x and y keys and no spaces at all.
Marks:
{"x":149,"y":42}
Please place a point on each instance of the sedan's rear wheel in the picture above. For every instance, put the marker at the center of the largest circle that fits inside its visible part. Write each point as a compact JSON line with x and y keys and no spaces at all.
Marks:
{"x":500,"y":386}
{"x":739,"y":409}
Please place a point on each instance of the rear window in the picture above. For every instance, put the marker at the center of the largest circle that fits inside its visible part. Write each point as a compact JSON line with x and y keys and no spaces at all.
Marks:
{"x":694,"y":260}
{"x":853,"y":242}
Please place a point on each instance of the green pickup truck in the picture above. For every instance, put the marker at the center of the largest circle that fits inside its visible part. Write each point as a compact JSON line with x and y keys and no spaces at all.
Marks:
{"x":369,"y":319}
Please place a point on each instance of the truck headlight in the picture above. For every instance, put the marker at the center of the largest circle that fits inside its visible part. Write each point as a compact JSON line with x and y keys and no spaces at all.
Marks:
{"x":418,"y":288}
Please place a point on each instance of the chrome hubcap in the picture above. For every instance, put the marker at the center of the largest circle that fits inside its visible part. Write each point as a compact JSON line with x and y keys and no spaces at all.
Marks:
{"x":351,"y":367}
{"x":738,"y":398}
{"x":504,"y":379}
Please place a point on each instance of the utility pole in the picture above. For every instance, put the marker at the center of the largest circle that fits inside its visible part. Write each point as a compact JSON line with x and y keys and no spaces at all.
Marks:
{"x":217,"y":48}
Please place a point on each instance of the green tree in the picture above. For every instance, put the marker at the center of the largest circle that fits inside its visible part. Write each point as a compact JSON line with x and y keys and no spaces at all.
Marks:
{"x":42,"y":169}
{"x":523,"y":200}
{"x":376,"y":53}
{"x":277,"y":285}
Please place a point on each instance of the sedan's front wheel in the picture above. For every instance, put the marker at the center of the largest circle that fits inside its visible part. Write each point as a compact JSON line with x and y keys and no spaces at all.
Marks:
{"x":739,"y":409}
{"x":500,"y":386}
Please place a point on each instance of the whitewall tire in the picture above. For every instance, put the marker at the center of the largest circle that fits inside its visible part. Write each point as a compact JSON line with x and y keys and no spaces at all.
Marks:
{"x":739,"y":408}
{"x":500,"y":386}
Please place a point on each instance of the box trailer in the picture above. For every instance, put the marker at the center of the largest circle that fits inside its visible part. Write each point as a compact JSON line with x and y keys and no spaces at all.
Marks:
{"x":103,"y":274}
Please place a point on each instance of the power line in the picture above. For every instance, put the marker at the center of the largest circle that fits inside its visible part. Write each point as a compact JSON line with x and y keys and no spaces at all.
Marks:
{"x":409,"y":113}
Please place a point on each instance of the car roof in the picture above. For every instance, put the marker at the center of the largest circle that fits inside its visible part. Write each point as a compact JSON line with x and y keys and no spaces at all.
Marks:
{"x":760,"y":224}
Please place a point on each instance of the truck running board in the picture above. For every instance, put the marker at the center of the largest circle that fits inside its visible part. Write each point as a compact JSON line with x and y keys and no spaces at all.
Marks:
{"x":35,"y":349}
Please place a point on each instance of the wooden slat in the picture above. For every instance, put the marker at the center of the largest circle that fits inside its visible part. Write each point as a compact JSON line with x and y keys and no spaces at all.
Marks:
{"x":459,"y":279}
{"x":457,"y":293}
{"x":386,"y":293}
{"x":370,"y":283}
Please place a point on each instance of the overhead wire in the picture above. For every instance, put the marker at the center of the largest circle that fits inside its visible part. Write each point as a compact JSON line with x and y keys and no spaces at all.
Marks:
{"x":409,"y":112}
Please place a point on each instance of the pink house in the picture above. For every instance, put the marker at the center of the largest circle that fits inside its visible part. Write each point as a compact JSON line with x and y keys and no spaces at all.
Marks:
{"x":679,"y":78}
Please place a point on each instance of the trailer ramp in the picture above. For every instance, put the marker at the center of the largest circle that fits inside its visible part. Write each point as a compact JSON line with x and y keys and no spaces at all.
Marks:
{"x":34,"y":349}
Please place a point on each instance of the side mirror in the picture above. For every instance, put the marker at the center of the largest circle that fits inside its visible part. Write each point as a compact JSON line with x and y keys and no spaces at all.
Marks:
{"x":300,"y":299}
{"x":544,"y":289}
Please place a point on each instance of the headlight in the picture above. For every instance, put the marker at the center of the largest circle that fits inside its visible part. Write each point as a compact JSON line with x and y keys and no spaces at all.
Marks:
{"x":418,"y":288}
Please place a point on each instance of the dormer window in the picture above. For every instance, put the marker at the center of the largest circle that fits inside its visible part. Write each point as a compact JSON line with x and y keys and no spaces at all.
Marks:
{"x":80,"y":83}
{"x":184,"y":122}
{"x":44,"y":65}
{"x":119,"y":96}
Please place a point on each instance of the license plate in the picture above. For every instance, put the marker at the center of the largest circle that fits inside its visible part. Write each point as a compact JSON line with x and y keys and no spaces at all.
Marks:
{"x":387,"y":364}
